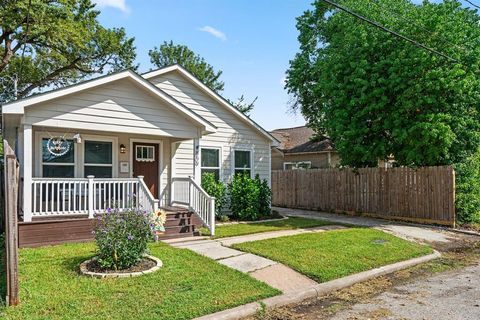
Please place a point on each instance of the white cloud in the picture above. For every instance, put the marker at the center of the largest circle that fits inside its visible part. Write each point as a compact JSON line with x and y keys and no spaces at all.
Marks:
{"x":118,"y":4}
{"x":214,"y":32}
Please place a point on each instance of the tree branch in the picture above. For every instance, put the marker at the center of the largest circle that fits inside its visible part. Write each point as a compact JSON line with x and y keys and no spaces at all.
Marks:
{"x":51,"y":76}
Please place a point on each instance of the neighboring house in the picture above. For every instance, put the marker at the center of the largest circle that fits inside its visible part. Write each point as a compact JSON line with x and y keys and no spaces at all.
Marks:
{"x":298,"y":149}
{"x":82,"y":148}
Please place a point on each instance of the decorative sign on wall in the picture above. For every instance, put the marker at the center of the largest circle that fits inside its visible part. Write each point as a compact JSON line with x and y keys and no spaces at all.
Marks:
{"x":58,"y":146}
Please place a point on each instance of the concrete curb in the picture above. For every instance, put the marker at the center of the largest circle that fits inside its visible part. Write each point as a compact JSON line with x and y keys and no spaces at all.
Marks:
{"x":317,"y":290}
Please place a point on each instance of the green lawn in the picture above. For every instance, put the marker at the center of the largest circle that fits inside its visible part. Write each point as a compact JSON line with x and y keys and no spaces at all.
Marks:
{"x":239,"y":229}
{"x":334,"y":254}
{"x":188,"y":285}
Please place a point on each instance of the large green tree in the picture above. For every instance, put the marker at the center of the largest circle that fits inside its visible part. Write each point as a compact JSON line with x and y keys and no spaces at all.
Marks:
{"x":375,"y":94}
{"x":53,"y":43}
{"x":170,"y":53}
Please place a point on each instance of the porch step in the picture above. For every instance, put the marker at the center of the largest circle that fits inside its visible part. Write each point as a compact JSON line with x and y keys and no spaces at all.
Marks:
{"x":181,"y":222}
{"x":47,"y":231}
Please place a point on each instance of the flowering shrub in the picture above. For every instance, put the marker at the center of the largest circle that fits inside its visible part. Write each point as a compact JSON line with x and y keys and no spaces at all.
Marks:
{"x":122,"y":237}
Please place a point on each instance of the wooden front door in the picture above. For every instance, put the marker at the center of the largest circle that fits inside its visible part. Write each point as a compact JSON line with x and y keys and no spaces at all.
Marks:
{"x":145,"y":163}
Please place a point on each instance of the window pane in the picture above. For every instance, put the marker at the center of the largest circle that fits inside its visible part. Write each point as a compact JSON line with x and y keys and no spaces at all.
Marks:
{"x":216,"y":172}
{"x":243,"y":171}
{"x":139,"y":152}
{"x":98,"y":172}
{"x":68,"y":157}
{"x":58,"y":171}
{"x":98,"y":152}
{"x":242,"y":159}
{"x":210,"y":158}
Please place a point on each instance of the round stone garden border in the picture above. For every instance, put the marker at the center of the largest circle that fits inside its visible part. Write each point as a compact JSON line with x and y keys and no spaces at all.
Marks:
{"x":86,"y":272}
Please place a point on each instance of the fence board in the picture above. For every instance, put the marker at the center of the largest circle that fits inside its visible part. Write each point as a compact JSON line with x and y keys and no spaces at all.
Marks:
{"x":425,"y":194}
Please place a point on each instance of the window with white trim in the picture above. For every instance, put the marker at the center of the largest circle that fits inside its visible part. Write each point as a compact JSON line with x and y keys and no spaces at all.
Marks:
{"x":300,"y":165}
{"x":210,"y":161}
{"x":58,"y":166}
{"x":145,"y":153}
{"x":242,"y":162}
{"x":98,"y":159}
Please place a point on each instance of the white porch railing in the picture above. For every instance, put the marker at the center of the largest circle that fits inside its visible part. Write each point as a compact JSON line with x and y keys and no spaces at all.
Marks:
{"x":77,"y":196}
{"x":185,"y":191}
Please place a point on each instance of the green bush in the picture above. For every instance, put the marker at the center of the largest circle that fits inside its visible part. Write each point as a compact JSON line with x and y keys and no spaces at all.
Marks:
{"x":244,"y":194}
{"x":122,"y":238}
{"x":250,"y":198}
{"x":264,"y":196}
{"x":467,"y":190}
{"x":215,"y":189}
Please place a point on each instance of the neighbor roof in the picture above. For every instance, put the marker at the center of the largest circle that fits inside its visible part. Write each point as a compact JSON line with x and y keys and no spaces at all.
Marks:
{"x":300,"y":140}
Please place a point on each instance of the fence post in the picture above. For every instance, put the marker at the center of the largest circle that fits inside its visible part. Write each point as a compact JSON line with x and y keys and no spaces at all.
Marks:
{"x":91,"y":194}
{"x":11,"y":181}
{"x":212,"y":216}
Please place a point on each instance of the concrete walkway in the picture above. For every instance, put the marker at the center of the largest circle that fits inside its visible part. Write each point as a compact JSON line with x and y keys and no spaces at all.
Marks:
{"x":419,"y":233}
{"x":271,"y":272}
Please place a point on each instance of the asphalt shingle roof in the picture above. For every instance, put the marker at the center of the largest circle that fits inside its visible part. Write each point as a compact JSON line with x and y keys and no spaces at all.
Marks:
{"x":299,"y":139}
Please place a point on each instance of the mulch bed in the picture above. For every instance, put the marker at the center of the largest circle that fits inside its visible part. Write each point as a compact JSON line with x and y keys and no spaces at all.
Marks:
{"x":143,"y":265}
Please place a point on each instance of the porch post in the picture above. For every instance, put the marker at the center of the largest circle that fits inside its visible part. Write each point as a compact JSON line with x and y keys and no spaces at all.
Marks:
{"x":27,"y":172}
{"x":91,"y":194}
{"x":196,"y":161}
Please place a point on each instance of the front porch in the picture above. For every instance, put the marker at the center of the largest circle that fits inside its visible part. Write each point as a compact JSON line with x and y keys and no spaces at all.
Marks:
{"x":63,"y":210}
{"x":93,"y":171}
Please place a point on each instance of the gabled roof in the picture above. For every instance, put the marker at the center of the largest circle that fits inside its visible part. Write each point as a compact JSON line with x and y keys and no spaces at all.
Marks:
{"x":18,"y":106}
{"x":301,"y":140}
{"x":212,"y":94}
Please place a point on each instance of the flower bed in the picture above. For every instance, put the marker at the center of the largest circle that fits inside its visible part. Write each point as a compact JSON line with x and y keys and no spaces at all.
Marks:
{"x":147,"y":265}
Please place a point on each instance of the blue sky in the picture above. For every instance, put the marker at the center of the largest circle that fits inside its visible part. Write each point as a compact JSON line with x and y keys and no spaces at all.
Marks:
{"x":251,"y":41}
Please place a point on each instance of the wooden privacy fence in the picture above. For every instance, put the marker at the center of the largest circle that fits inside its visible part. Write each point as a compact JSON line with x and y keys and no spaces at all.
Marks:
{"x":425,"y":194}
{"x":11,"y":183}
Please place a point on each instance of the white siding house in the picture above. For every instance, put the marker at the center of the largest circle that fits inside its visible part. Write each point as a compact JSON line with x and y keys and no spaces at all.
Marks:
{"x":83,"y":147}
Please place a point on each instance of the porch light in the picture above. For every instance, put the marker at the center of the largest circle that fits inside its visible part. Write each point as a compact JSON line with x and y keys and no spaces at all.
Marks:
{"x":123,"y":149}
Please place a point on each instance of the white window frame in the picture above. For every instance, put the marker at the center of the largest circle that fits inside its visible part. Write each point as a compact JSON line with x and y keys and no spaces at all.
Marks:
{"x":252,"y":174}
{"x":295,"y":164}
{"x":99,"y":139}
{"x":220,"y":173}
{"x":152,"y":159}
{"x":79,"y":151}
{"x":71,"y":164}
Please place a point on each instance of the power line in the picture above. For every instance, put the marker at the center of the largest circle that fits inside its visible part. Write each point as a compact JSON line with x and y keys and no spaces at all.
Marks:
{"x":473,"y":4}
{"x":378,"y":25}
{"x":398,"y":15}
